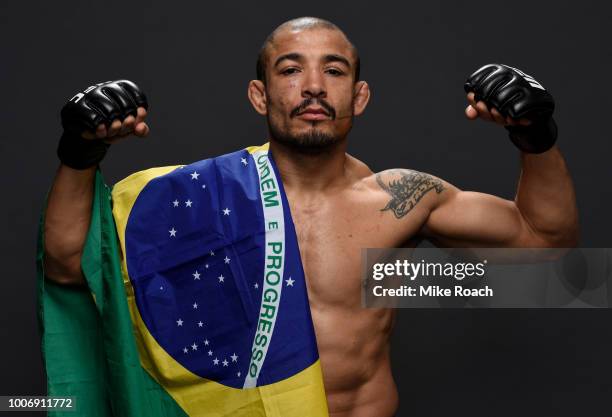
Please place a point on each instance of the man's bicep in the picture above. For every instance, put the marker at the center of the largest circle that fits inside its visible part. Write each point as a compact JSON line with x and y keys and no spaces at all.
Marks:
{"x":467,"y":218}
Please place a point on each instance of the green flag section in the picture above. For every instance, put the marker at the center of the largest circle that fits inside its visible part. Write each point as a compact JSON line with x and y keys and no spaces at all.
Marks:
{"x":185,"y":312}
{"x":87,"y":339}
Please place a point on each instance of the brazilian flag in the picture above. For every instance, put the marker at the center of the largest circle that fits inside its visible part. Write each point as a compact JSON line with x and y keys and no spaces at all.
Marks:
{"x":195,"y":303}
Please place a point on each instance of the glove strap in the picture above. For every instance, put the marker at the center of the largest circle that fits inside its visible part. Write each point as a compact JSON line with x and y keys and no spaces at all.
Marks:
{"x":79,"y":153}
{"x":538,"y":137}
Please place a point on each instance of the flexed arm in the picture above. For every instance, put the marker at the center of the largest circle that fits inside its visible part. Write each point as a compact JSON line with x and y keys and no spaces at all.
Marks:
{"x":92,"y":120}
{"x":544,"y":212}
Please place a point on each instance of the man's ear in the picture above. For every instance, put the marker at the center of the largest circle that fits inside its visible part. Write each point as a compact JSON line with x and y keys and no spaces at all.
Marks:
{"x":257,"y":96}
{"x":361,"y":97}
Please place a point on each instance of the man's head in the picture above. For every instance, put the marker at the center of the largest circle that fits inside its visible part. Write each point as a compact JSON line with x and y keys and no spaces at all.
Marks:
{"x":308,"y":84}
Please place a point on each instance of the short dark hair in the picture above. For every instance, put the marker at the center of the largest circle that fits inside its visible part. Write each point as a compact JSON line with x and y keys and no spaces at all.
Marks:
{"x":296,"y":24}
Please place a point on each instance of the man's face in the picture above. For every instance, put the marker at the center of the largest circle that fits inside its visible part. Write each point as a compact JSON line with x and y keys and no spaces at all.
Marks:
{"x":310,"y":87}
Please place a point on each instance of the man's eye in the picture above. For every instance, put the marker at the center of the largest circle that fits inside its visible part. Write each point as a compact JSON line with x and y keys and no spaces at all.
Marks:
{"x":334,"y":71}
{"x":289,"y":71}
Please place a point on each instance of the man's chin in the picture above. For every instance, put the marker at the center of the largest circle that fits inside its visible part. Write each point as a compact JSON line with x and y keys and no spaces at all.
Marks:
{"x":311,"y":141}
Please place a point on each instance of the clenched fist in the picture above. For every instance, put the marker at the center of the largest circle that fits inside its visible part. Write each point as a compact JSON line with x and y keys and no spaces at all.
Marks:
{"x":515,"y":100}
{"x":97,"y":117}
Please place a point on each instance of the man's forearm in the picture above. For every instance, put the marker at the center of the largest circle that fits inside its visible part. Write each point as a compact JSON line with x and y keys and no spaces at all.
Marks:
{"x":67,"y":219}
{"x":546,"y":197}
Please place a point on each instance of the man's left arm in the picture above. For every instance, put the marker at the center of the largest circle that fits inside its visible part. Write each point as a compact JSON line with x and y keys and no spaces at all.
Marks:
{"x":544,"y":212}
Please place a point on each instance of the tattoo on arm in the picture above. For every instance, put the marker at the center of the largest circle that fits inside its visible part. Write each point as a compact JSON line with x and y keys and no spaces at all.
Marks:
{"x":407,"y":190}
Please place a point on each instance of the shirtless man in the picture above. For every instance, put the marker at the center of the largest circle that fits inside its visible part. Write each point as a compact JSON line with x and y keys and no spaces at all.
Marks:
{"x":309,"y":91}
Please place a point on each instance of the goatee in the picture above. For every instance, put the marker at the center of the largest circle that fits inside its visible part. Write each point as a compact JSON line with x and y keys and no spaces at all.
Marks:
{"x":314,"y":141}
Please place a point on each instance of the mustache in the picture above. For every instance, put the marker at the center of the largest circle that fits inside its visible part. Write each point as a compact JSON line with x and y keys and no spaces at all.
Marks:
{"x":309,"y":102}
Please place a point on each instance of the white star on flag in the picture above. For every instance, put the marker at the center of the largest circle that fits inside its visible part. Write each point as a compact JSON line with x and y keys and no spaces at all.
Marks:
{"x":185,"y":350}
{"x":188,"y":203}
{"x":172,"y":232}
{"x":196,"y":275}
{"x":195,"y":305}
{"x":226,"y":211}
{"x":200,"y":324}
{"x":206,"y":342}
{"x":161,"y":288}
{"x":206,"y":266}
{"x":221,"y":278}
{"x":216,"y":361}
{"x":179,"y":322}
{"x":194,"y":346}
{"x":175,"y":203}
{"x":244,"y":161}
{"x":238,"y":374}
{"x":195,"y":175}
{"x":234,"y":357}
{"x":210,"y":353}
{"x":225,"y":362}
{"x":227,"y":260}
{"x":203,"y":185}
{"x":212,"y":253}
{"x":290,"y":282}
{"x":256,"y":285}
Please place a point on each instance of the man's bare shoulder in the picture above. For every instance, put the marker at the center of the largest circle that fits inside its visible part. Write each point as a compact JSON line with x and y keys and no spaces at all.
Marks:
{"x":404,"y":189}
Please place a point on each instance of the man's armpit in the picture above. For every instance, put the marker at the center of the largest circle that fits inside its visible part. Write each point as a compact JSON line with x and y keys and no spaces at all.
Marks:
{"x":406,"y":188}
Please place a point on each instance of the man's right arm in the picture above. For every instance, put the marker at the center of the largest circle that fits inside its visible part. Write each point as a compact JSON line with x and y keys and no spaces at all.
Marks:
{"x":93,"y":120}
{"x":66,"y":224}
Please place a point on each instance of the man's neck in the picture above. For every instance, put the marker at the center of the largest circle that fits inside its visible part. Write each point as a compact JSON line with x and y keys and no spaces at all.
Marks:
{"x":314,"y":172}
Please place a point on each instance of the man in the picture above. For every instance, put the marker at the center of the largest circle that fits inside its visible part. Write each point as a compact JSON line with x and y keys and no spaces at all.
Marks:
{"x":308,"y":89}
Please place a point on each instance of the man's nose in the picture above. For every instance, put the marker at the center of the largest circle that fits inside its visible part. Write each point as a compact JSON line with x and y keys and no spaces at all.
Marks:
{"x":314,"y":85}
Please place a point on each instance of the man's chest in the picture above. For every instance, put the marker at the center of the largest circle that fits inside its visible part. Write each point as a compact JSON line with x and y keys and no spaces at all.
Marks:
{"x":332,"y":234}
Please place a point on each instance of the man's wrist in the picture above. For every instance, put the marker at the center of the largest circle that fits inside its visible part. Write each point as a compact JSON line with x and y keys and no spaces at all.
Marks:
{"x":537,"y":137}
{"x":79,"y":153}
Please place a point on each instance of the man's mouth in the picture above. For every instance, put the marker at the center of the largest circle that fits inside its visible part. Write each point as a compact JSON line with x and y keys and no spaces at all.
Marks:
{"x":314,"y":109}
{"x":313,"y":113}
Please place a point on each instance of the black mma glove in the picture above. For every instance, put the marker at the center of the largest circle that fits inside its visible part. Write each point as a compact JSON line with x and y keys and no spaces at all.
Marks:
{"x":518,"y":95}
{"x":100,"y":103}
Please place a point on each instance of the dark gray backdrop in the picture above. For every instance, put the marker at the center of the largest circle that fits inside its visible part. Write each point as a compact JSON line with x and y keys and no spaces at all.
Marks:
{"x":194,"y":61}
